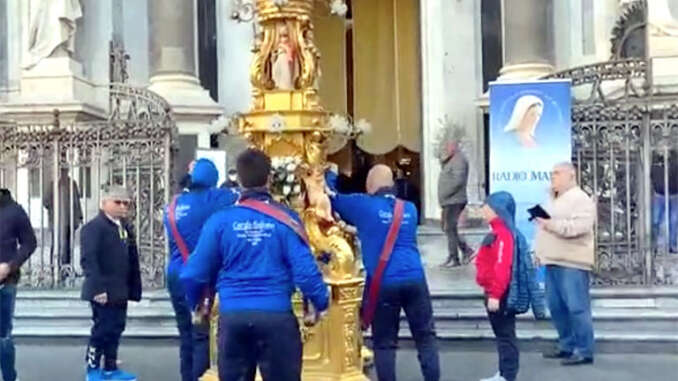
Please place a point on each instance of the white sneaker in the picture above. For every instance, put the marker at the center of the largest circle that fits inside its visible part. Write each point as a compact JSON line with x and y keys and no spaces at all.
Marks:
{"x":496,"y":377}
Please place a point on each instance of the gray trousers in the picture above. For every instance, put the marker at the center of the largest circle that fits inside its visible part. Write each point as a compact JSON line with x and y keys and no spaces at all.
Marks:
{"x":454,"y":241}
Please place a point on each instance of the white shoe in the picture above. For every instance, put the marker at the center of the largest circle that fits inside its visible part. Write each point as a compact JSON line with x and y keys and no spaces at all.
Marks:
{"x":496,"y":377}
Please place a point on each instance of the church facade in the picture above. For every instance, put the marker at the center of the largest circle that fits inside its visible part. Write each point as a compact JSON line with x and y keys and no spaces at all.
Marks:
{"x":409,"y":68}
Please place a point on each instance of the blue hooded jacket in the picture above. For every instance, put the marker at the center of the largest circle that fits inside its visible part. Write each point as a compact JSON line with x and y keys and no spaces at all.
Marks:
{"x":372,"y":216}
{"x":254,"y":260}
{"x":194,"y":208}
{"x":524,"y":290}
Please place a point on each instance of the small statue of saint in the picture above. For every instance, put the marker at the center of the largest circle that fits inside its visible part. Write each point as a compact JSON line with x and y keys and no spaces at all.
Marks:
{"x":285,"y":61}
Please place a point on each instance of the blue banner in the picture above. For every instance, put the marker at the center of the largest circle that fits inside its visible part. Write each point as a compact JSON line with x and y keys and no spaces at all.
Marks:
{"x":530,"y":132}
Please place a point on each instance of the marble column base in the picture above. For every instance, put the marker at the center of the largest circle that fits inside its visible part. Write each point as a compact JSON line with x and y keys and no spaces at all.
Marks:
{"x":525,"y":71}
{"x":192,"y":107}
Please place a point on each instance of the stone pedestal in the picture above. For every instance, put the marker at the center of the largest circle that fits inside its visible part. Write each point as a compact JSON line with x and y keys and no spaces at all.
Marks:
{"x":56,"y":83}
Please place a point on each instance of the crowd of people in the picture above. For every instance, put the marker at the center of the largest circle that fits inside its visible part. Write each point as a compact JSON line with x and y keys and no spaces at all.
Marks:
{"x":237,"y":242}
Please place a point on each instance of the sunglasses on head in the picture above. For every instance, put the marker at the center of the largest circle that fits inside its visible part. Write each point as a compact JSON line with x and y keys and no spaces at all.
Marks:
{"x":121,"y":202}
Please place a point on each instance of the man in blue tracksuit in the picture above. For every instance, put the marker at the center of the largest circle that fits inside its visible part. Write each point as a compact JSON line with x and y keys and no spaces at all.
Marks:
{"x":403,"y":284}
{"x":191,"y":210}
{"x":256,"y":261}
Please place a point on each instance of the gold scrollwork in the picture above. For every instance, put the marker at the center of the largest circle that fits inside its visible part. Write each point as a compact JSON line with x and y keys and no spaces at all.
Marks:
{"x":351,"y":342}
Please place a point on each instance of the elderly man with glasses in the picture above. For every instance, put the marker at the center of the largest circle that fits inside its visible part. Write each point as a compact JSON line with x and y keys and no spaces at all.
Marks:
{"x":110,"y":261}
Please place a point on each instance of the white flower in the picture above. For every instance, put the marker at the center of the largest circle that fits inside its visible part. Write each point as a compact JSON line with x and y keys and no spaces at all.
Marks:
{"x":290,"y":178}
{"x":339,"y":124}
{"x":276,"y":161}
{"x":363,"y":126}
{"x":286,"y":190}
{"x":291,"y":167}
{"x":339,"y":8}
{"x":297,"y":189}
{"x":280,"y":3}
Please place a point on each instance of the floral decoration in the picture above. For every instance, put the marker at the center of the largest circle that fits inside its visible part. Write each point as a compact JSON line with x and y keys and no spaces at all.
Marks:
{"x":286,"y":183}
{"x":338,"y":7}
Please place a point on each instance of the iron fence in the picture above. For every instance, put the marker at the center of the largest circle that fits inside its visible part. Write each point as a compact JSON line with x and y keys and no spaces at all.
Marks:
{"x":58,"y":171}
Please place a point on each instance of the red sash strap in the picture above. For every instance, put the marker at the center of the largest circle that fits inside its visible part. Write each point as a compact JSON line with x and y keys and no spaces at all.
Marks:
{"x":386,"y":251}
{"x":285,"y":219}
{"x":277,"y":214}
{"x":207,"y":298}
{"x":172,"y":218}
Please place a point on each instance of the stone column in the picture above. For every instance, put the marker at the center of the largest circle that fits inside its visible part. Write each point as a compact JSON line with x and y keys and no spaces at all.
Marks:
{"x":528,"y":39}
{"x":173,"y":68}
{"x":450,"y":84}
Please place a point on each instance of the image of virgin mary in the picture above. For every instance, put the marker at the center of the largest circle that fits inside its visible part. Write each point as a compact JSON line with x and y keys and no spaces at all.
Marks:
{"x":524,"y":120}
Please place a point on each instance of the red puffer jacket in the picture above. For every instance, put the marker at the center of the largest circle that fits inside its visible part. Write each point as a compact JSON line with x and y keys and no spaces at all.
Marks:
{"x":493,"y":263}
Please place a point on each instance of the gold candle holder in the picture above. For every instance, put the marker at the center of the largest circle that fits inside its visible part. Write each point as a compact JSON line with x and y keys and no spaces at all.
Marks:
{"x":287,"y":120}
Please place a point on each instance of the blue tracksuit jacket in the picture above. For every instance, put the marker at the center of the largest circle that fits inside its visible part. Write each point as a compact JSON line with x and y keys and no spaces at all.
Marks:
{"x":372,"y":216}
{"x":254,"y":261}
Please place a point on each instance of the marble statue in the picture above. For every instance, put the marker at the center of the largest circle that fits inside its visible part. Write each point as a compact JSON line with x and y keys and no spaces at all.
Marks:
{"x":52,"y":29}
{"x":663,"y":17}
{"x":285,"y":61}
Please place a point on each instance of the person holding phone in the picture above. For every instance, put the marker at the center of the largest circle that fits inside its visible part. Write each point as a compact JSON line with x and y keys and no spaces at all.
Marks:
{"x":565,"y":245}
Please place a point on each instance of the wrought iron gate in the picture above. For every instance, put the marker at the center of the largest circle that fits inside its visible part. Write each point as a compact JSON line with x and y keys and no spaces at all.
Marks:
{"x":624,"y":134}
{"x":57,"y":173}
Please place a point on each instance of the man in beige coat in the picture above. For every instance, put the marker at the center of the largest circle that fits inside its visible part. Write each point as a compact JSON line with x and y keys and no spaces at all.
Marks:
{"x":564,"y":244}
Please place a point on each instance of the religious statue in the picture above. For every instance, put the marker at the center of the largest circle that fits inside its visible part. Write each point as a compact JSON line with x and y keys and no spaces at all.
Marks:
{"x":52,"y":29}
{"x":285,"y":60}
{"x":663,"y":18}
{"x":524,"y":119}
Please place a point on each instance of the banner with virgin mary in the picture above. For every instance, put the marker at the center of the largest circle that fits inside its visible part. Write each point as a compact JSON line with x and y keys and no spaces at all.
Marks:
{"x":530,"y":132}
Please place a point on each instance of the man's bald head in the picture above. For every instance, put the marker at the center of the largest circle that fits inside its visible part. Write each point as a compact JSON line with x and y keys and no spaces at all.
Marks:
{"x":380,"y":176}
{"x":563,"y":177}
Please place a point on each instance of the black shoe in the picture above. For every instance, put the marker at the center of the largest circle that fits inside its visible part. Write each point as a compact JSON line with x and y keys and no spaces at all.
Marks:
{"x":556,"y":354}
{"x":576,"y":359}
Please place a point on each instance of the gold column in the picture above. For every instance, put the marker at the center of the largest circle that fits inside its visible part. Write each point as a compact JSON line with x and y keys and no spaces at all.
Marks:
{"x":288,"y":121}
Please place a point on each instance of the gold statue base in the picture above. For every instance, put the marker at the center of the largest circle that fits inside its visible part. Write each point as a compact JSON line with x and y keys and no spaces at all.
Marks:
{"x":333,"y":348}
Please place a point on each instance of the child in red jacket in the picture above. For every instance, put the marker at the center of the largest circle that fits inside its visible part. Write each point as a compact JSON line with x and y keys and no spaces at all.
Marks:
{"x":493,"y":265}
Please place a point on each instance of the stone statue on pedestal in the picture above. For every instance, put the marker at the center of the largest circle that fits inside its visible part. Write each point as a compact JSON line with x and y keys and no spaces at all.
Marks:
{"x":663,"y":18}
{"x":52,"y":29}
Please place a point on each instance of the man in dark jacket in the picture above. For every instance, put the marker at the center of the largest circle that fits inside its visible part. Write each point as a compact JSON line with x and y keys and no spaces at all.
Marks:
{"x":452,"y":198}
{"x":405,"y":189}
{"x":191,"y":210}
{"x":110,"y":261}
{"x":17,"y":243}
{"x":69,"y":215}
{"x":403,"y":285}
{"x":256,"y":261}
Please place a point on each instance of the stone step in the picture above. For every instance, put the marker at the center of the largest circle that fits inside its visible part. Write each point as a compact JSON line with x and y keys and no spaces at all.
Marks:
{"x":609,"y":320}
{"x":664,"y":298}
{"x":620,"y":316}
